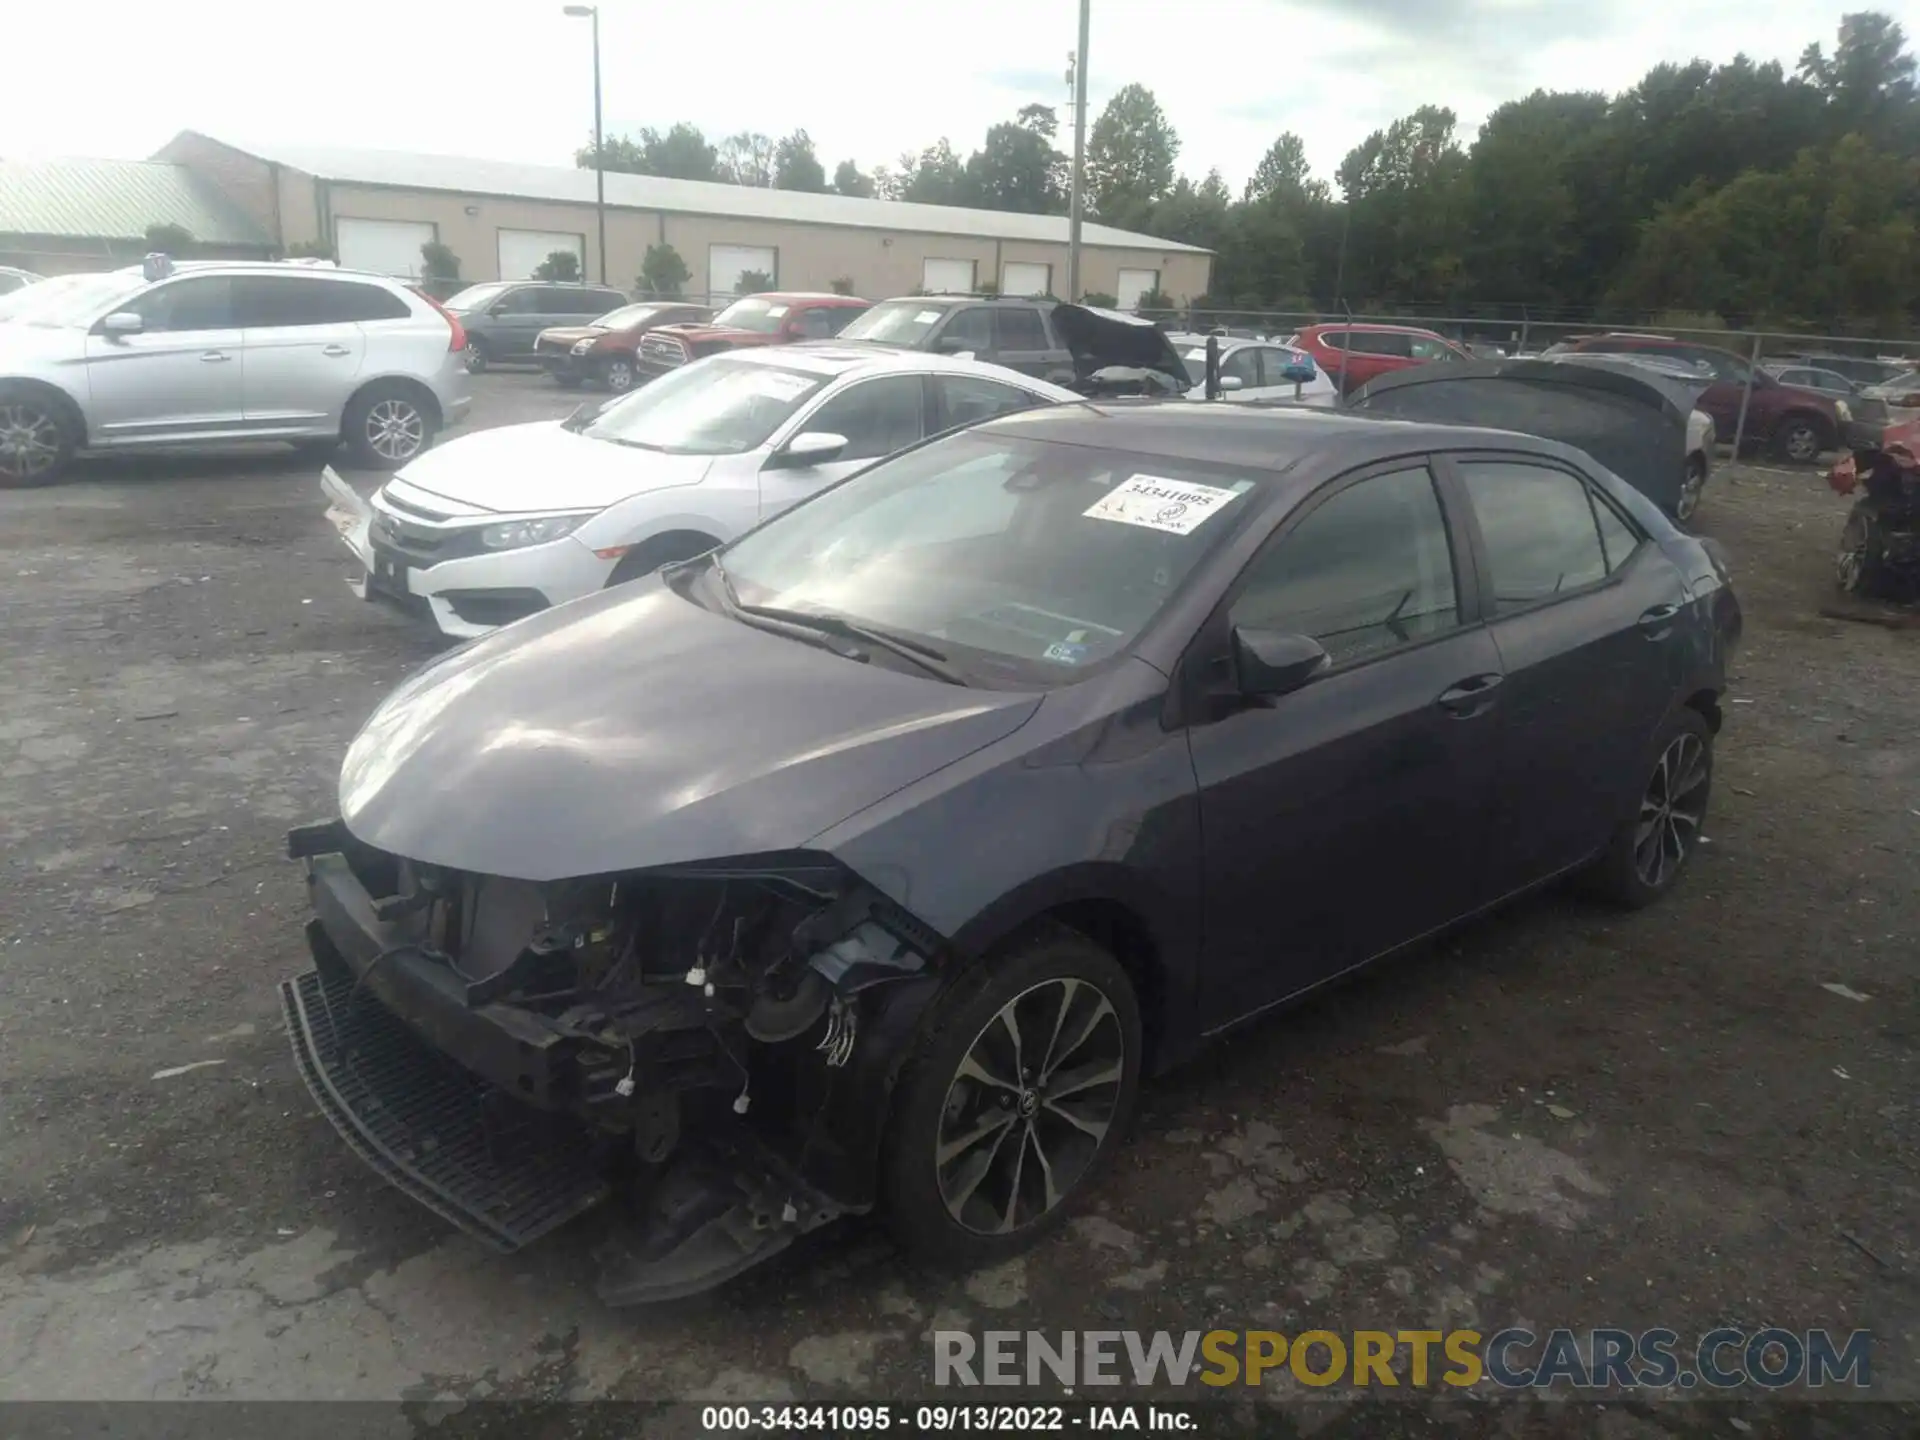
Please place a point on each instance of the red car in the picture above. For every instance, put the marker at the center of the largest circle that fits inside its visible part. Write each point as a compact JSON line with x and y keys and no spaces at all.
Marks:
{"x":1372,"y":350}
{"x":1798,"y":423}
{"x":777,"y":318}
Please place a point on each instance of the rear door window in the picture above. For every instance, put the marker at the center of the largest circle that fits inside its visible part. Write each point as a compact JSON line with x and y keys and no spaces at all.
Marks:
{"x":1541,"y":534}
{"x":1021,"y":329}
{"x":965,"y":399}
{"x":266,"y":301}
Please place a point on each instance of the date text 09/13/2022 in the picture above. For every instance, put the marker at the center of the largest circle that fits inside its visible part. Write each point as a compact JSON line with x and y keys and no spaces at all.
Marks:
{"x":945,"y":1419}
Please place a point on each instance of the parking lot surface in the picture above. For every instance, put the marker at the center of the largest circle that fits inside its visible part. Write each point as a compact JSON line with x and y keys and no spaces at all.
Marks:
{"x":1702,"y":1114}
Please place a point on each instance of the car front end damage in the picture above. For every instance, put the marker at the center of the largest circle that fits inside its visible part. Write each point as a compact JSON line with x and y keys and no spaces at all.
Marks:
{"x":712,"y":1046}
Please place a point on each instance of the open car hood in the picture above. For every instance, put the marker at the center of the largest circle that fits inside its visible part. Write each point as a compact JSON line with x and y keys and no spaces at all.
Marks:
{"x":1630,"y":419}
{"x":1107,"y":340}
{"x":634,"y":728}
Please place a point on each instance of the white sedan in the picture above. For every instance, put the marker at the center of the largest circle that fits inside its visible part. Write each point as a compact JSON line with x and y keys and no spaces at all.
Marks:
{"x":1255,"y":370}
{"x":501,"y":523}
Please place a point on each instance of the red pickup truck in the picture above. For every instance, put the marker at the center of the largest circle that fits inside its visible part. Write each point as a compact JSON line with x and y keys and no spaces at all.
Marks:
{"x":1798,"y":423}
{"x":778,"y":318}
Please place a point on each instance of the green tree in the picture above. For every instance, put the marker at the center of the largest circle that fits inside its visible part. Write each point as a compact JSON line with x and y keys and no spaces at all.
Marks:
{"x":847,"y":180}
{"x":752,"y":282}
{"x":1405,"y":210}
{"x":796,"y":167}
{"x":935,"y":176}
{"x":662,"y":271}
{"x":841,"y":285}
{"x":310,"y":250}
{"x":1282,"y":175}
{"x":438,"y":262}
{"x":169,"y":238}
{"x":682,"y":153}
{"x":1130,"y":158}
{"x":747,"y":159}
{"x":1522,"y":240}
{"x":561,"y":266}
{"x":1017,"y":167}
{"x":1868,"y":82}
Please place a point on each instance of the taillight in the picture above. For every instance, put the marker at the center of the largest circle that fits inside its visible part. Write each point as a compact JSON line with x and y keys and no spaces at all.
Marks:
{"x":458,"y":341}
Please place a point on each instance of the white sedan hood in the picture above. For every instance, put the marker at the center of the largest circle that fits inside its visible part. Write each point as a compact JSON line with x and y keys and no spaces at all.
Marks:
{"x":540,"y":467}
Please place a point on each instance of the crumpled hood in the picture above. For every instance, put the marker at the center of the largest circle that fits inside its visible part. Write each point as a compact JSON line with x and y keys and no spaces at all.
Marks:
{"x":1104,"y":339}
{"x":634,"y":728}
{"x":542,"y":466}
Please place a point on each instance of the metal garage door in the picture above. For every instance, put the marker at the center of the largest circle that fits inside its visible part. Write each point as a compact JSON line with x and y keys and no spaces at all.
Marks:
{"x":1134,"y":284}
{"x":727,"y":263}
{"x":524,"y":251}
{"x":1017,"y":277}
{"x":387,"y":247}
{"x":947,"y":277}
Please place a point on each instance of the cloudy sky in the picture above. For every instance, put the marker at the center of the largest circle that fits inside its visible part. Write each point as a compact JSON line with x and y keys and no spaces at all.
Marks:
{"x":512,"y":79}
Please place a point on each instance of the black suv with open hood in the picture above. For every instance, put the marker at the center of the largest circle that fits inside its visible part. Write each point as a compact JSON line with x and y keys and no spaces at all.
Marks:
{"x":1072,"y":345}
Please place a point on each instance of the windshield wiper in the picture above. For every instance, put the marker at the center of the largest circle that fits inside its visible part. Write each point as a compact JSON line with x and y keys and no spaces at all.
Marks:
{"x":929,"y":659}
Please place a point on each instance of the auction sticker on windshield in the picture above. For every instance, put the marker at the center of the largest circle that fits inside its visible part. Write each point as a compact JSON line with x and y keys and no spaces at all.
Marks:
{"x":1178,"y":507}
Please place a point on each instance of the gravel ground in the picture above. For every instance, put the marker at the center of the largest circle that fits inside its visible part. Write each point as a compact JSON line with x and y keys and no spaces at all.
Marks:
{"x":1704,"y":1114}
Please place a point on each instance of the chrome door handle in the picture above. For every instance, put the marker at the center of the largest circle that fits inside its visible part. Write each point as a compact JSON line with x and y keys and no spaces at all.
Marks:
{"x":214,"y":357}
{"x":336,"y":350}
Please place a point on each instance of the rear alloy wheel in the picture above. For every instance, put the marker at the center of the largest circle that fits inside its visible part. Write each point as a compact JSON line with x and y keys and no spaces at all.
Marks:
{"x":1691,"y":485}
{"x":617,"y":374}
{"x":1651,"y":849}
{"x":36,"y":442}
{"x":476,"y":355}
{"x":1860,"y":567}
{"x":1018,"y":1094}
{"x":1800,"y":440}
{"x":387,"y":427}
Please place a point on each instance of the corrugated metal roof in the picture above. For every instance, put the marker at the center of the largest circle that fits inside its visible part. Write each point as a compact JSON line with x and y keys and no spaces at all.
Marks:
{"x":692,"y":197}
{"x":116,"y":200}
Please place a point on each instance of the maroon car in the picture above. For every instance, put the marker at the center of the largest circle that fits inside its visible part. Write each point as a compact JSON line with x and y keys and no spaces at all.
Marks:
{"x":1798,"y":423}
{"x":603,"y":353}
{"x":776,"y":318}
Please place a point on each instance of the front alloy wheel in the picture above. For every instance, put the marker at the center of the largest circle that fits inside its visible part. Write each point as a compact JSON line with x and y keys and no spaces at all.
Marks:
{"x":619,"y":374}
{"x":1016,"y":1095}
{"x":1690,"y":487}
{"x":1030,"y":1106}
{"x":1860,"y":566}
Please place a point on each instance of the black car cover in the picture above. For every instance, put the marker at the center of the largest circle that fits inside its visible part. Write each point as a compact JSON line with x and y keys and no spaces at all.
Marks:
{"x":1117,"y":353}
{"x":1630,"y":419}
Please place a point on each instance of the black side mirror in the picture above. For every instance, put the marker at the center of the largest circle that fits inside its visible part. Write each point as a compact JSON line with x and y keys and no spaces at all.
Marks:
{"x":1275,"y":662}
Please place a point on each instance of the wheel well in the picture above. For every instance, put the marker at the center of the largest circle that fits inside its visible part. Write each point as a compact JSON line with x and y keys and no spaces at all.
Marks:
{"x":658,"y":550}
{"x":1124,"y":935}
{"x":420,"y":395}
{"x":58,"y":398}
{"x":1813,"y":417}
{"x":1707,"y":702}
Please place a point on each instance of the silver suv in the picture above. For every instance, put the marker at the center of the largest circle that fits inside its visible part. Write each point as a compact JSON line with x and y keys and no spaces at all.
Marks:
{"x":165,"y":354}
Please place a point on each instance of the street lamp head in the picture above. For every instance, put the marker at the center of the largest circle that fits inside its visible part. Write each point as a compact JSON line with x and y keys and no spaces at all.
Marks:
{"x":579,"y":12}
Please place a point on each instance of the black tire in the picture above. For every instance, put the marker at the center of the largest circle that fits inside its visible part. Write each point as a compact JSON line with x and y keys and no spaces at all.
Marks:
{"x":1799,"y":438}
{"x":1860,"y":569}
{"x":37,"y":438}
{"x":935,"y":1099}
{"x":477,"y":356}
{"x":1680,"y":766}
{"x":617,"y":373}
{"x":649,"y":556}
{"x":388,"y":425}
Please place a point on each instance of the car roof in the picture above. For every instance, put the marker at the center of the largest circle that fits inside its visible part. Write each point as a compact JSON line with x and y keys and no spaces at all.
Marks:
{"x":1280,"y":439}
{"x":844,"y":357}
{"x":791,"y":295}
{"x":266,"y":267}
{"x":1369,"y":325}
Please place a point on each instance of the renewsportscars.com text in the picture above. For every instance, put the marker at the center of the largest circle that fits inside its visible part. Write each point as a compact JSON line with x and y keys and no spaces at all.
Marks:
{"x":1516,"y":1359}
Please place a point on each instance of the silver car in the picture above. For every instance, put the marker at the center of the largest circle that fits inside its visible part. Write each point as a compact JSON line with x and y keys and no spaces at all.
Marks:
{"x":165,"y":354}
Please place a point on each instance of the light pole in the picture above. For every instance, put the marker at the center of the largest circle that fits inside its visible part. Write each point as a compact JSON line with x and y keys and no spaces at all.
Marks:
{"x":592,"y":12}
{"x":1077,"y":202}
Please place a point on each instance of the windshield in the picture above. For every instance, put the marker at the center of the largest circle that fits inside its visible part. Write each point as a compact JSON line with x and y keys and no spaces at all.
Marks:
{"x":474,"y":296}
{"x":722,"y":405}
{"x":72,"y":300}
{"x":895,"y":322}
{"x":759,"y":315}
{"x":627,"y":315}
{"x":1194,"y":362}
{"x":1018,"y":559}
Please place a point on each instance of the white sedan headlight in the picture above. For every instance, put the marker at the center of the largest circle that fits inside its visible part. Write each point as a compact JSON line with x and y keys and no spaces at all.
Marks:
{"x":517,"y":534}
{"x":581,"y":347}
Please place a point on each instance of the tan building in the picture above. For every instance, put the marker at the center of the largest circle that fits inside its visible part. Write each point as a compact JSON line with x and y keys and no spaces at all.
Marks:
{"x":377,"y":208}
